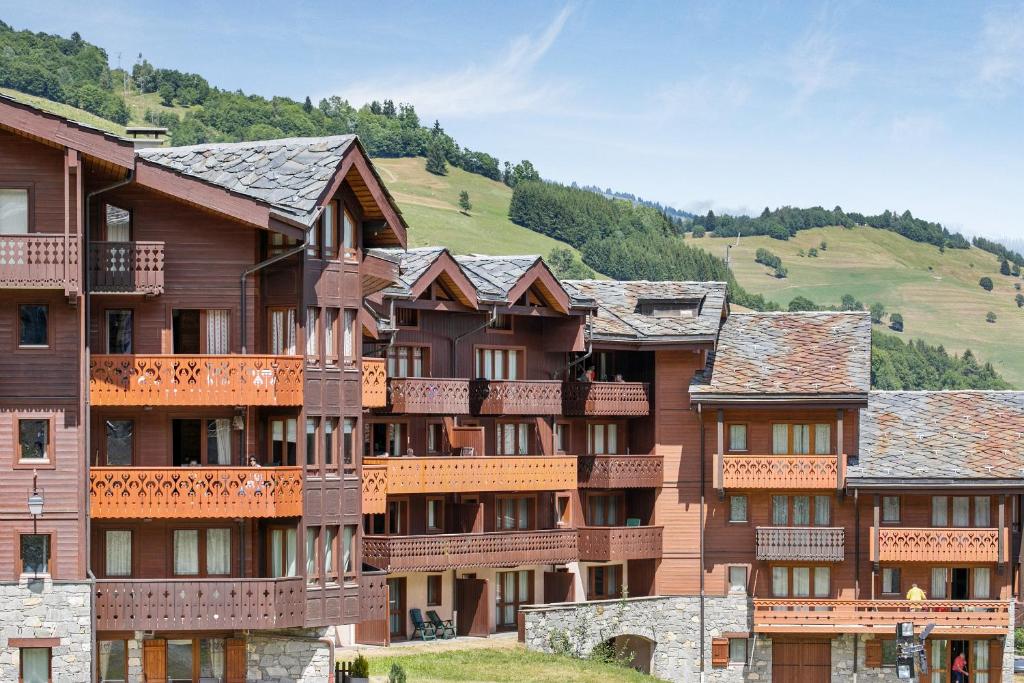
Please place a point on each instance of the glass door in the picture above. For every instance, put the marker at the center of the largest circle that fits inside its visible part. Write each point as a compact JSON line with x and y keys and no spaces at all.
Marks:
{"x":938,"y":661}
{"x":396,"y":608}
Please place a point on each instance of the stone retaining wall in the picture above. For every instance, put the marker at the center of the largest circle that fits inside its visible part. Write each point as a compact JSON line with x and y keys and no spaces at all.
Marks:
{"x":43,"y":609}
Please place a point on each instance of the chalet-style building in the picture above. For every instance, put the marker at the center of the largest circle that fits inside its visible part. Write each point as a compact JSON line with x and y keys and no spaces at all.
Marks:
{"x":245,"y":425}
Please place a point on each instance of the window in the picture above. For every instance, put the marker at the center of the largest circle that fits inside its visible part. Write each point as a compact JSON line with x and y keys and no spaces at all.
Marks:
{"x":891,"y":509}
{"x":604,"y":509}
{"x":118,"y":551}
{"x":330,"y":555}
{"x":513,"y":513}
{"x":407,"y":317}
{"x":889,"y":650}
{"x":563,"y":509}
{"x":938,"y":585}
{"x":206,"y":330}
{"x":283,"y":442}
{"x":511,"y":591}
{"x":435,"y":515}
{"x":605,"y":582}
{"x":435,"y":437}
{"x":282,"y":552}
{"x":35,"y":553}
{"x":801,"y":510}
{"x":312,"y":334}
{"x":891,"y":580}
{"x":118,"y":225}
{"x":408,"y":361}
{"x":33,"y":326}
{"x":963,"y":507}
{"x":329,"y":230}
{"x":348,"y":443}
{"x":801,"y":582}
{"x":801,"y":439}
{"x":398,"y":517}
{"x":34,"y":440}
{"x":348,"y":235}
{"x":331,"y":335}
{"x":433,"y":590}
{"x":312,"y":543}
{"x":348,"y":550}
{"x":186,"y":552}
{"x":822,"y":439}
{"x":202,"y":552}
{"x":502,"y":323}
{"x":737,"y":508}
{"x":602,"y":439}
{"x":112,"y":659}
{"x":513,"y":438}
{"x":982,"y":511}
{"x":196,"y":442}
{"x":281,"y":332}
{"x":982,"y":583}
{"x":822,"y":510}
{"x":119,"y":331}
{"x":961,"y":511}
{"x":34,"y":665}
{"x":331,"y":445}
{"x":312,"y":443}
{"x":13,"y":211}
{"x":737,"y":578}
{"x":278,"y":244}
{"x":562,"y":430}
{"x":384,"y":438}
{"x":218,"y":551}
{"x":119,"y":442}
{"x":940,"y":511}
{"x":737,"y":437}
{"x":780,"y":582}
{"x":737,"y":650}
{"x":498,"y":363}
{"x":780,"y":510}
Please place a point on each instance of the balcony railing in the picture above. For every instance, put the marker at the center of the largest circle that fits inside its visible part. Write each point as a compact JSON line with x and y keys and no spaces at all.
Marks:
{"x":515,"y":397}
{"x":429,"y":396}
{"x":449,"y":551}
{"x":126,"y":267}
{"x":620,"y":471}
{"x":951,"y":617}
{"x":195,"y":492}
{"x":782,"y":471}
{"x":799,"y":544}
{"x":938,"y":544}
{"x":375,"y":383}
{"x":39,"y":261}
{"x":475,"y":474}
{"x":375,"y":488}
{"x":175,"y":380}
{"x":606,"y":398}
{"x":199,"y":604}
{"x":620,"y":543}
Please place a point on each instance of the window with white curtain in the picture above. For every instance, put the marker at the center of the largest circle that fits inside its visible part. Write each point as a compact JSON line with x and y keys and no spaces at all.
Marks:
{"x":982,"y":583}
{"x":331,"y":554}
{"x":349,"y":333}
{"x":331,"y":335}
{"x":961,"y":511}
{"x":35,"y":665}
{"x":13,"y":211}
{"x":780,"y":439}
{"x":348,"y":234}
{"x":980,"y":661}
{"x":312,"y":536}
{"x":938,"y":585}
{"x":406,"y":361}
{"x":603,"y":439}
{"x":737,"y":437}
{"x":982,"y":511}
{"x":282,"y":552}
{"x":218,"y":331}
{"x":780,"y":582}
{"x":312,"y":334}
{"x":118,"y":545}
{"x":348,"y":442}
{"x":348,"y":565}
{"x":498,"y":364}
{"x":822,"y":582}
{"x":801,"y":439}
{"x":822,"y":439}
{"x":282,"y":331}
{"x":890,"y":508}
{"x":890,"y":580}
{"x":218,"y":442}
{"x":513,"y":438}
{"x":737,"y":508}
{"x":940,"y":511}
{"x":218,"y":551}
{"x":186,"y":552}
{"x":822,"y":510}
{"x":780,"y":510}
{"x":801,"y":510}
{"x":801,"y":582}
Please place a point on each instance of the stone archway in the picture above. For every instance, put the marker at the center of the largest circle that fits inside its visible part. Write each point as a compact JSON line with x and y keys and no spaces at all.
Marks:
{"x":636,"y":651}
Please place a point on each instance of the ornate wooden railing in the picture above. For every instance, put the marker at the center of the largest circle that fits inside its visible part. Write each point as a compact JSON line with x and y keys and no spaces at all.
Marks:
{"x":448,"y":551}
{"x":620,"y":543}
{"x":40,"y":261}
{"x":782,"y":471}
{"x":445,"y":474}
{"x":375,"y":488}
{"x":797,"y":544}
{"x":126,"y":267}
{"x":375,"y":383}
{"x":174,"y":380}
{"x":199,"y":604}
{"x":195,"y":492}
{"x":620,"y":471}
{"x":939,"y":544}
{"x":515,"y":397}
{"x":804,"y":616}
{"x":428,"y":395}
{"x":606,"y":398}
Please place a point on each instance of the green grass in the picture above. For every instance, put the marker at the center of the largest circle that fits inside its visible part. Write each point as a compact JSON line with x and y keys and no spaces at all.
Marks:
{"x":430,"y":204}
{"x":140,"y":103}
{"x":937,"y":294}
{"x":503,"y":665}
{"x":65,"y":110}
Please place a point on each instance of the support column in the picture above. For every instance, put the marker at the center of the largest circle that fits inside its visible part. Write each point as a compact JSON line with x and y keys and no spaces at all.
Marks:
{"x":719,"y":472}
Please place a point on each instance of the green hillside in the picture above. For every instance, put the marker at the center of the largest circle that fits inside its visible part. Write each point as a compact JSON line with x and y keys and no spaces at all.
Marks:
{"x":937,"y":293}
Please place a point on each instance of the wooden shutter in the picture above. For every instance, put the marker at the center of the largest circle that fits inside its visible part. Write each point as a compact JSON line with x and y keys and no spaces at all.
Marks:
{"x":719,"y":653}
{"x":154,"y":659}
{"x":873,"y":653}
{"x":995,"y":660}
{"x":237,"y":666}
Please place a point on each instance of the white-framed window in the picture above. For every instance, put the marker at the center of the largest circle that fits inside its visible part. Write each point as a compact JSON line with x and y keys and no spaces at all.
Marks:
{"x":738,"y":437}
{"x":737,"y":650}
{"x":737,"y":578}
{"x":118,"y":550}
{"x":13,"y":211}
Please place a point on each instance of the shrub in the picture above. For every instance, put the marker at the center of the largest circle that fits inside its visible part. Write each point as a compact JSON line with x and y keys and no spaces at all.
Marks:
{"x":396,"y":674}
{"x":699,"y":230}
{"x":1019,"y":299}
{"x":896,"y":322}
{"x":877,"y":312}
{"x":823,"y":246}
{"x":767,"y":258}
{"x":990,"y":317}
{"x":802,"y":303}
{"x":360,"y":667}
{"x":985,"y":283}
{"x":812,"y":252}
{"x":781,"y":272}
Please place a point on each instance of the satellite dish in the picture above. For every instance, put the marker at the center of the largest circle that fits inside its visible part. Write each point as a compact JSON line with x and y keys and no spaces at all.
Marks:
{"x":927,"y":630}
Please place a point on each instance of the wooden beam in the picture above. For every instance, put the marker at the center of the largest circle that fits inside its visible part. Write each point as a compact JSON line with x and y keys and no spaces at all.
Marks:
{"x":840,"y":452}
{"x":719,"y":475}
{"x":1001,"y":561}
{"x":876,"y":520}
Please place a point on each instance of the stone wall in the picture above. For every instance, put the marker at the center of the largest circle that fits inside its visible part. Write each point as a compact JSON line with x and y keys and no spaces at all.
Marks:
{"x":43,"y":609}
{"x":289,"y":656}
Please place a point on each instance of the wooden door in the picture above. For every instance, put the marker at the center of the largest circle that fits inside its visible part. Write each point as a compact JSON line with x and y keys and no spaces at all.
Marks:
{"x":801,"y":662}
{"x":474,"y":609}
{"x":396,"y":608}
{"x":154,"y":660}
{"x":236,"y":667}
{"x":374,"y":628}
{"x":559,"y":587}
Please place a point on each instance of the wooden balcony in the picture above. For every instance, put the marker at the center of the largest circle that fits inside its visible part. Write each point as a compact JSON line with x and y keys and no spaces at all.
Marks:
{"x":39,"y":261}
{"x":195,"y":492}
{"x":199,"y":604}
{"x":449,"y":551}
{"x":606,"y":398}
{"x":126,"y":267}
{"x":800,"y":544}
{"x":375,"y":489}
{"x":809,"y":616}
{"x":620,"y":471}
{"x":515,"y":397}
{"x":428,"y":396}
{"x":785,"y":472}
{"x":477,"y":474}
{"x":175,"y":380}
{"x":375,"y":383}
{"x":937,"y":544}
{"x":620,"y":543}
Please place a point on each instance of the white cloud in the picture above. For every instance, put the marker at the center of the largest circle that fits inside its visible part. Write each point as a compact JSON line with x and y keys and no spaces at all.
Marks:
{"x":813,"y":63}
{"x":1001,"y":63}
{"x":703,"y":97}
{"x":915,"y":127}
{"x":505,"y":85}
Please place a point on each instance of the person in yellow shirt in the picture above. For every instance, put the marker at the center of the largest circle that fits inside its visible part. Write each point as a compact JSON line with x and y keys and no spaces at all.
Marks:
{"x":915,"y":594}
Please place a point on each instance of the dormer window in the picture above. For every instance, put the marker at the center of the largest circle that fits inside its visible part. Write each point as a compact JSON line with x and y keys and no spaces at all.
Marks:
{"x":669,"y":308}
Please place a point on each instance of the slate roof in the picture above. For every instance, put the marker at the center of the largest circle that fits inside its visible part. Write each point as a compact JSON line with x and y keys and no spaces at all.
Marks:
{"x":495,"y":276}
{"x":956,"y":435}
{"x":412,"y":263}
{"x":619,"y":317}
{"x":289,"y":174}
{"x":814,"y":354}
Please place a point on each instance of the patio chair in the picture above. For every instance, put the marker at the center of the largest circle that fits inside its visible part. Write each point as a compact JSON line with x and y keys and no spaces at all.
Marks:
{"x":443,"y":627}
{"x":423,"y":629}
{"x":632,"y":521}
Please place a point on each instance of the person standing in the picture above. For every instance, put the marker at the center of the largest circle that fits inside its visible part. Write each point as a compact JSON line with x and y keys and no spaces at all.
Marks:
{"x":960,"y":669}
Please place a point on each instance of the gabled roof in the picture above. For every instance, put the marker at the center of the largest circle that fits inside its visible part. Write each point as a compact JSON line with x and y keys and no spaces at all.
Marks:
{"x":773,"y":356}
{"x":909,"y":437}
{"x":420,"y":266}
{"x":620,"y":305}
{"x":495,"y":276}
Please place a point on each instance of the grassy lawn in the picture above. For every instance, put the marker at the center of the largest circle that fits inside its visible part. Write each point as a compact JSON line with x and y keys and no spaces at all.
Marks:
{"x":65,"y":110}
{"x":937,"y":294}
{"x":140,"y":103}
{"x":502,"y":665}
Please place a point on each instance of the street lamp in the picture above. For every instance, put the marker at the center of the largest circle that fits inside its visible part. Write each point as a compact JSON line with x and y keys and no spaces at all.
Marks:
{"x":35,"y":503}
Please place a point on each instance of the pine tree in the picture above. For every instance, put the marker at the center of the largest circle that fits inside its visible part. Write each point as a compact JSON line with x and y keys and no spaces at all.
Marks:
{"x":307,"y":106}
{"x":436,"y":163}
{"x":464,"y":202}
{"x":1004,"y":267}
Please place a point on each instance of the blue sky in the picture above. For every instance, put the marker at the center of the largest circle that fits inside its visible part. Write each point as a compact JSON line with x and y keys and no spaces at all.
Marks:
{"x":732,"y":106}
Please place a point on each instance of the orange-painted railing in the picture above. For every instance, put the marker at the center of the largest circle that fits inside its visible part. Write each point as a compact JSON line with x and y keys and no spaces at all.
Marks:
{"x":783,"y":471}
{"x":176,"y":380}
{"x":375,"y":488}
{"x":476,"y":474}
{"x":805,"y":616}
{"x":195,"y":492}
{"x":375,"y":383}
{"x":935,"y":544}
